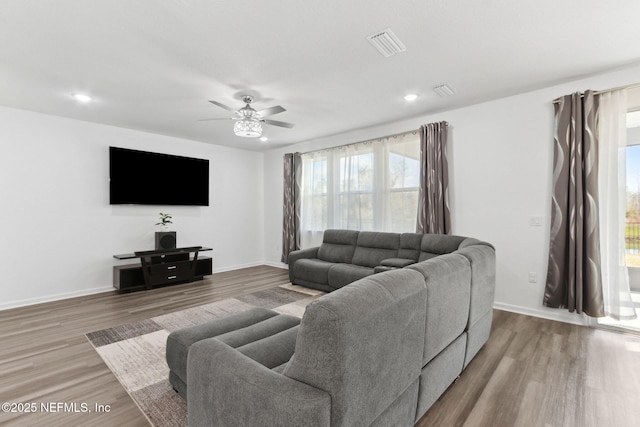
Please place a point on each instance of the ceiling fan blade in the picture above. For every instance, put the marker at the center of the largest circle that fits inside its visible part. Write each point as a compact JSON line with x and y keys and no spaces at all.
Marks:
{"x":271,"y":111}
{"x":207,"y":120}
{"x":222,"y":106}
{"x":277,"y":123}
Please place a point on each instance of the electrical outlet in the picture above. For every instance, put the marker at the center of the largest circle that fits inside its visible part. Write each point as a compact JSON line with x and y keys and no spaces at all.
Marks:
{"x":533,"y":277}
{"x":535,"y":221}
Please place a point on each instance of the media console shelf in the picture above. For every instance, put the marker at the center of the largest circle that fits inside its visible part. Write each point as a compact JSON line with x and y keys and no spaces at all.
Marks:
{"x":160,"y":268}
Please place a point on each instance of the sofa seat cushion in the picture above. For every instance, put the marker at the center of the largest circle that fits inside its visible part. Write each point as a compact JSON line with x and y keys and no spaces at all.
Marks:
{"x":313,"y":270}
{"x":343,"y":274}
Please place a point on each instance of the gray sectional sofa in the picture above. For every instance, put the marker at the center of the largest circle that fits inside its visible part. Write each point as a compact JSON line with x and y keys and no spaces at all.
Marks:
{"x":377,"y":352}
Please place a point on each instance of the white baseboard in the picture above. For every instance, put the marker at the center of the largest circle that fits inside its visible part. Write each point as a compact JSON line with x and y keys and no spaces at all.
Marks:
{"x":544,"y":313}
{"x":236,"y":267}
{"x":253,"y":264}
{"x":55,"y":297}
{"x":276,"y":264}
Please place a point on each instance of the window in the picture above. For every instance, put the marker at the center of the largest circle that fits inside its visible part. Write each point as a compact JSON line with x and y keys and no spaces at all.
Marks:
{"x":315,"y":202}
{"x":404,"y":170}
{"x":365,"y":186}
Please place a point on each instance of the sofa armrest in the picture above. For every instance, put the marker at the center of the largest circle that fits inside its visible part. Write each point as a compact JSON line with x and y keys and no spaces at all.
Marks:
{"x":227,"y":388}
{"x":300,"y":254}
{"x":397,"y":262}
{"x":470,"y":241}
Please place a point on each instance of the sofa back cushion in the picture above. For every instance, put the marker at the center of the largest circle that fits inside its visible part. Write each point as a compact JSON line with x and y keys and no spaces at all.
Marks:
{"x":338,"y":245}
{"x":438,"y":244}
{"x":482,"y":257}
{"x":448,"y":281}
{"x":410,"y":244}
{"x":363,"y":344}
{"x":373,"y":247}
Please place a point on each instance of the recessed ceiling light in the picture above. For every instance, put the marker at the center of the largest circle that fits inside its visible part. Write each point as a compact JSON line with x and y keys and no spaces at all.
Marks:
{"x":410,"y":97}
{"x":82,"y":97}
{"x":264,"y":139}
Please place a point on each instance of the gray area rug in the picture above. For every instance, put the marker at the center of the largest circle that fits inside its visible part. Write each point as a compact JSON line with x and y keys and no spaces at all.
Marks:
{"x":135,"y":352}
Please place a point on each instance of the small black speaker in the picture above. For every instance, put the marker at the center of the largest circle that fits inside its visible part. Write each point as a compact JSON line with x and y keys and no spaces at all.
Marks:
{"x":165,"y":240}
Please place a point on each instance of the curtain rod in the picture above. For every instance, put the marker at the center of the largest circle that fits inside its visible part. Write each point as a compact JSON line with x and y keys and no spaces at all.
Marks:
{"x":598,"y":92}
{"x":395,"y":135}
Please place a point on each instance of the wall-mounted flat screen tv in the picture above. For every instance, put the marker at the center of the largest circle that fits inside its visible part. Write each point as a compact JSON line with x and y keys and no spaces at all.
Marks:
{"x":145,"y":178}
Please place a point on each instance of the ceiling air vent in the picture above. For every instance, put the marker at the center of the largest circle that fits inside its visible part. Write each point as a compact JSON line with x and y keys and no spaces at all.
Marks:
{"x":443,"y":90}
{"x":386,"y":42}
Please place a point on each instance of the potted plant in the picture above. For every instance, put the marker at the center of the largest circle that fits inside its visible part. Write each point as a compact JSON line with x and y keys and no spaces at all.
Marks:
{"x":165,"y":220}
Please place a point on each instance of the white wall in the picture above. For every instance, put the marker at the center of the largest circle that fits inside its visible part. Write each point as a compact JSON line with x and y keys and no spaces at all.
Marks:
{"x":500,"y":155}
{"x":59,"y":231}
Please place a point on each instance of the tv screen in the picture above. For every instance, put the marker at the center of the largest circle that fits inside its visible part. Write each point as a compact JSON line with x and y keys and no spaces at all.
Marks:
{"x":145,"y":178}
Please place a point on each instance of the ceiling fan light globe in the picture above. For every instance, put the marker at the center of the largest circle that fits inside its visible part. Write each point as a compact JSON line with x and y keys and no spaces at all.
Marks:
{"x":248,"y":128}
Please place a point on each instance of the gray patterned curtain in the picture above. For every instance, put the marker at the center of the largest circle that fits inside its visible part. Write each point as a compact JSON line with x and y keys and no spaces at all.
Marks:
{"x":291,"y":204}
{"x":574,"y":274}
{"x":434,"y":215}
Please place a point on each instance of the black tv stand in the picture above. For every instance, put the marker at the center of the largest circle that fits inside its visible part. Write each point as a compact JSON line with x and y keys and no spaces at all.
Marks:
{"x":162,"y":267}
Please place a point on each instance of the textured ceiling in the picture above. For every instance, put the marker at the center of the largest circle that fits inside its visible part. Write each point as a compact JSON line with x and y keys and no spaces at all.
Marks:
{"x":152,"y":65}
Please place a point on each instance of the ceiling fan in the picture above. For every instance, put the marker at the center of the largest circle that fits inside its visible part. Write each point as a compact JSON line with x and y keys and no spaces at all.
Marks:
{"x":248,"y":121}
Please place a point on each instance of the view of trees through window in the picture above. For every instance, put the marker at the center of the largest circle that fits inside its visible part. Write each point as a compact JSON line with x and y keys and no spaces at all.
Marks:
{"x":632,"y":229}
{"x":405,"y":174}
